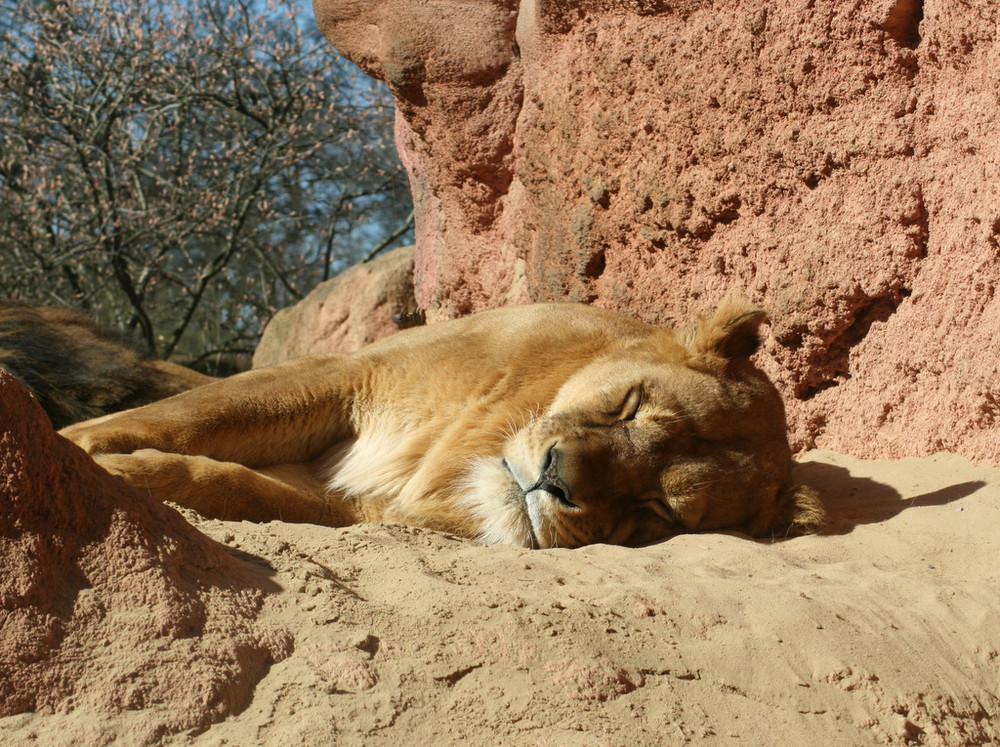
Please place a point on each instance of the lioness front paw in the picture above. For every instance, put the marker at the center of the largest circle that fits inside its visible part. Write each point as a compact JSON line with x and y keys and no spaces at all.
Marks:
{"x":148,"y":470}
{"x":95,"y":437}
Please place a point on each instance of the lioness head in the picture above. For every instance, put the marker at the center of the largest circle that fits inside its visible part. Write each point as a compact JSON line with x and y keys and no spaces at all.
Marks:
{"x":681,"y":433}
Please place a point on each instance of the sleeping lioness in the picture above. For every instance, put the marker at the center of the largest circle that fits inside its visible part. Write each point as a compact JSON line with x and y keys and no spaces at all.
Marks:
{"x":550,"y":425}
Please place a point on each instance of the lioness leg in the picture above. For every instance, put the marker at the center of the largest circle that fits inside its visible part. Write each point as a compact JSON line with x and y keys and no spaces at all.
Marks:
{"x":226,"y":490}
{"x":258,"y":418}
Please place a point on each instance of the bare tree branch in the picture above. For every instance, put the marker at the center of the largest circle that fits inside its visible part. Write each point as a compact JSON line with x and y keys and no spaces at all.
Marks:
{"x":381,"y":246}
{"x":187,"y":166}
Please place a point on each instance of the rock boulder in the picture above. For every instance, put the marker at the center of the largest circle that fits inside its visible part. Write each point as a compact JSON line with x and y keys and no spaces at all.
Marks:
{"x":344,"y":313}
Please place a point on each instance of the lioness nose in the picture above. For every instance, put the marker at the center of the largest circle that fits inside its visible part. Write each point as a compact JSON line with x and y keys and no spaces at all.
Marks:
{"x":551,"y":461}
{"x":549,"y":479}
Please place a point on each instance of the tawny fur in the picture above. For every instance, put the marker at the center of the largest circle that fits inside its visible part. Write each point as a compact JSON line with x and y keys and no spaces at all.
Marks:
{"x":542,"y":426}
{"x":78,"y":370}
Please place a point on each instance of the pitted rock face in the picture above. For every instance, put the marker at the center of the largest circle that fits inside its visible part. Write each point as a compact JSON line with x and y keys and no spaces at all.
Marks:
{"x":835,"y":163}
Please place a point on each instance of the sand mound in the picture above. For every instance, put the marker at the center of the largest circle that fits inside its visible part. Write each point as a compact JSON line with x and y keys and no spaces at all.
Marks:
{"x":112,"y":605}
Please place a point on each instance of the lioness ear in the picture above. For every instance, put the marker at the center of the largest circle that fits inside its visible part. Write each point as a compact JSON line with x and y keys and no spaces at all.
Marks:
{"x":730,"y":333}
{"x":797,"y":510}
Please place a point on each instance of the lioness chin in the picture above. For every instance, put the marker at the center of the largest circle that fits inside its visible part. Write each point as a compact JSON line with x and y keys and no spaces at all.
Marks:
{"x":550,"y":425}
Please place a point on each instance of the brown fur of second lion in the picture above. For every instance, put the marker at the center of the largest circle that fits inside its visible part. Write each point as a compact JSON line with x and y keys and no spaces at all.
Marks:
{"x":542,"y":425}
{"x":78,"y":370}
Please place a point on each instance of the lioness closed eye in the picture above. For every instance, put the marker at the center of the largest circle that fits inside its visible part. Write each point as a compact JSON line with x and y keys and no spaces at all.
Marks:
{"x":550,"y":425}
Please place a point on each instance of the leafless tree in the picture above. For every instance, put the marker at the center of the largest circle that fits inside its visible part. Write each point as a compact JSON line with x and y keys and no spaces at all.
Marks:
{"x":183,"y":168}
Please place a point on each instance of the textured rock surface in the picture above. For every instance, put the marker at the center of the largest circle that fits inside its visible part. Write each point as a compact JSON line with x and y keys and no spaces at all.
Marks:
{"x":111,"y":603}
{"x":344,"y":313}
{"x":836,"y":162}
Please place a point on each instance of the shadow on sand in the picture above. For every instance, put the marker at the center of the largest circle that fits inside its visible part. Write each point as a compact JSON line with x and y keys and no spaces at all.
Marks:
{"x":851,"y":500}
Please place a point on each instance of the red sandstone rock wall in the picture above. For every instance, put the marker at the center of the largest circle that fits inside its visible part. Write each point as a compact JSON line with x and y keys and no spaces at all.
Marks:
{"x":837,"y":162}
